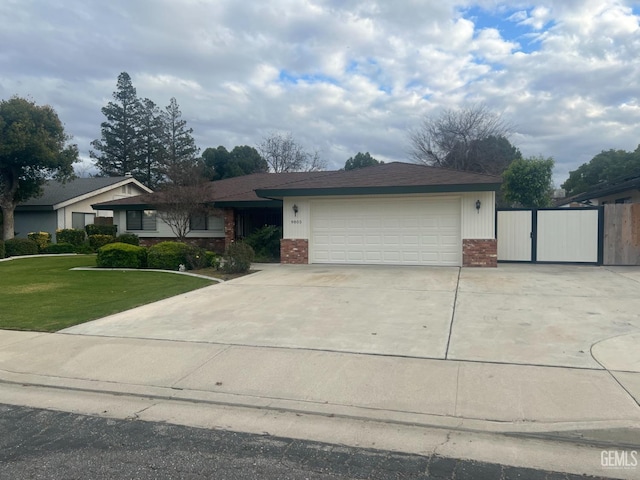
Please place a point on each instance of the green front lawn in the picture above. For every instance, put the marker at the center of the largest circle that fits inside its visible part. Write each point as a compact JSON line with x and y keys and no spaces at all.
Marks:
{"x":42,"y":294}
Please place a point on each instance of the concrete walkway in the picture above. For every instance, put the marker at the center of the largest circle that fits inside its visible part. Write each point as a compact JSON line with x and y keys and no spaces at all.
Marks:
{"x":432,"y":388}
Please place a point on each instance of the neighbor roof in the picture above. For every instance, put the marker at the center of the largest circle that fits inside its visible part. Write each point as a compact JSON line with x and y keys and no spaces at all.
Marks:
{"x":620,"y":184}
{"x":55,"y":192}
{"x":387,"y":178}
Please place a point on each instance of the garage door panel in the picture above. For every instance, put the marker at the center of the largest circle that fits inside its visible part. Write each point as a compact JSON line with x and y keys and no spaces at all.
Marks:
{"x":393,"y":231}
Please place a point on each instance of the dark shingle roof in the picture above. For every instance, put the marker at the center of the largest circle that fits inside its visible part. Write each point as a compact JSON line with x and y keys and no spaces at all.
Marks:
{"x":394,"y":177}
{"x":54,"y":192}
{"x":385,"y":178}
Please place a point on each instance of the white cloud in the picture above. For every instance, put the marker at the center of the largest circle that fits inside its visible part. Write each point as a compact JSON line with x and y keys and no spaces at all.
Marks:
{"x":361,"y":72}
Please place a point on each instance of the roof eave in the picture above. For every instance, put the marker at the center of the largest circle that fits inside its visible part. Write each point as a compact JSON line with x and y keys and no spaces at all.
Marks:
{"x":275,"y":193}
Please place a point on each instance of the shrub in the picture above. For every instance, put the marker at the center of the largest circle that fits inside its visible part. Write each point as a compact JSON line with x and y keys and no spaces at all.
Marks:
{"x":196,"y":258}
{"x":70,"y":235}
{"x":130,"y":238}
{"x":238,"y":258}
{"x":101,"y":230}
{"x":59,"y":248}
{"x":83,"y":249}
{"x":97,"y":241}
{"x":2,"y":251}
{"x":168,"y":255}
{"x":42,"y":239}
{"x":20,"y":246}
{"x":266,"y":242}
{"x":213,"y":259}
{"x":121,"y":255}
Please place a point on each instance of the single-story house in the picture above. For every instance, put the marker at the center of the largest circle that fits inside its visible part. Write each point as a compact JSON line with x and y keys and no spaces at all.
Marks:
{"x":624,"y":189}
{"x":393,"y":213}
{"x":69,"y":204}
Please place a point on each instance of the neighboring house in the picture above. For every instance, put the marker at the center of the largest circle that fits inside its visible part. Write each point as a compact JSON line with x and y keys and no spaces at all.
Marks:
{"x":394,"y":213}
{"x":68,"y":205}
{"x":621,"y":190}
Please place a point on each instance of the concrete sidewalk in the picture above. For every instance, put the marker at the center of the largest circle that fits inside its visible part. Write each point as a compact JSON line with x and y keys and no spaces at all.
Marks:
{"x":309,"y":391}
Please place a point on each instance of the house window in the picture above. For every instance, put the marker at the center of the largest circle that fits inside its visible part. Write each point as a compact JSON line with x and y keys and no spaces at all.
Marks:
{"x":141,"y":220}
{"x":198,"y":221}
{"x":80,"y":220}
{"x":202,"y":222}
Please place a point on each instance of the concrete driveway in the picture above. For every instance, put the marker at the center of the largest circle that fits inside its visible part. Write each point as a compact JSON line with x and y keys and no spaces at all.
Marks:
{"x":517,"y":314}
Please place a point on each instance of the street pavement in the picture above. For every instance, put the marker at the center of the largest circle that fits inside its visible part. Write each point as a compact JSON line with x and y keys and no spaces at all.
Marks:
{"x":44,"y":444}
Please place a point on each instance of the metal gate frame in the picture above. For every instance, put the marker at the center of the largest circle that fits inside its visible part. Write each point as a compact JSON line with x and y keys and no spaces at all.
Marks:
{"x":534,"y":234}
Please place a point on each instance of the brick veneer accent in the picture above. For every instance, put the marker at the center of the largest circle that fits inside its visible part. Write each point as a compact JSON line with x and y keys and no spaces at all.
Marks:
{"x":294,"y":251}
{"x":480,"y":253}
{"x":229,"y":227}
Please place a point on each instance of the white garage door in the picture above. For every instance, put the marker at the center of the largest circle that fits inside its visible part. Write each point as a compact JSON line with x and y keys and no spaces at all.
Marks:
{"x":395,"y":231}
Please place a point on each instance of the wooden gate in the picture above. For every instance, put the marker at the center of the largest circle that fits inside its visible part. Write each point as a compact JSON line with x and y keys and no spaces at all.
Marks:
{"x":621,"y":234}
{"x":550,"y":235}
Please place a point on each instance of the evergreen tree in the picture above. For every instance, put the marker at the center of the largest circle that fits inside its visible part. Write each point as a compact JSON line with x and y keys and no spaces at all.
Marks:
{"x":150,"y":146}
{"x":180,"y":151}
{"x":116,"y":152}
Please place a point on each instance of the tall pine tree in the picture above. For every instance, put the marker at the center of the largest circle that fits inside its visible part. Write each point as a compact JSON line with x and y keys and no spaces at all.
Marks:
{"x":116,"y":152}
{"x":150,"y":146}
{"x":180,"y":163}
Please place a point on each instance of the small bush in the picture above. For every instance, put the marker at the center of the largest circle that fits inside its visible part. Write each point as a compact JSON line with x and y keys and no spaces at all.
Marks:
{"x":213,"y":259}
{"x":196,"y":258}
{"x":42,"y":239}
{"x":70,"y":235}
{"x":20,"y":246}
{"x":101,"y":230}
{"x":98,"y":241}
{"x":121,"y":255}
{"x":168,"y":255}
{"x":2,"y":250}
{"x":83,"y":249}
{"x":130,"y":238}
{"x":266,"y":242}
{"x":58,"y":248}
{"x":238,"y":258}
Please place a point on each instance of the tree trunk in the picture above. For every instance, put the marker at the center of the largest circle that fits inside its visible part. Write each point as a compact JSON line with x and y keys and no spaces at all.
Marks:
{"x":8,"y":226}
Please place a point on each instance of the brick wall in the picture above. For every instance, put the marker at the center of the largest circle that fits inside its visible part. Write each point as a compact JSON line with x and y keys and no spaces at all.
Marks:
{"x":229,"y":227}
{"x":479,"y":253}
{"x":294,"y":251}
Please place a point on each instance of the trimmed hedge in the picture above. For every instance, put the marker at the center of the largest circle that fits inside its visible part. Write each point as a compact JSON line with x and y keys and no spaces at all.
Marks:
{"x":97,"y":241}
{"x":16,"y":247}
{"x":101,"y":230}
{"x":238,"y":258}
{"x":121,"y":255}
{"x":42,"y":239}
{"x":130,"y":238}
{"x":70,"y":235}
{"x":2,"y":251}
{"x":59,"y":248}
{"x":169,"y":255}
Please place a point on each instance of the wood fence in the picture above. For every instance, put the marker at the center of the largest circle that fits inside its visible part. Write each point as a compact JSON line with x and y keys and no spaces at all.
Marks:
{"x":621,"y":243}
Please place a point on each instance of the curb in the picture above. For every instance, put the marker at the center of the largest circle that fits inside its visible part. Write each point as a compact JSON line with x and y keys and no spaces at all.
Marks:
{"x":551,"y":431}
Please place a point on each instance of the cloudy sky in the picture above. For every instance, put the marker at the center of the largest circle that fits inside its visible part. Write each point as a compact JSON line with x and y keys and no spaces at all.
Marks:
{"x":342,"y":76}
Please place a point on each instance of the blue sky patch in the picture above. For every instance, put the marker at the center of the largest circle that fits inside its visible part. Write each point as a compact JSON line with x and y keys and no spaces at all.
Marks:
{"x":506,"y":22}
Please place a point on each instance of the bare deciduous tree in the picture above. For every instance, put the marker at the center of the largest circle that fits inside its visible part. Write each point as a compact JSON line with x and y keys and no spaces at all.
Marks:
{"x":471,"y":139}
{"x":283,"y":154}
